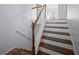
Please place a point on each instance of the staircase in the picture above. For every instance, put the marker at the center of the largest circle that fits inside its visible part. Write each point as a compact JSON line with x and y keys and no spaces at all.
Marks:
{"x":56,"y":39}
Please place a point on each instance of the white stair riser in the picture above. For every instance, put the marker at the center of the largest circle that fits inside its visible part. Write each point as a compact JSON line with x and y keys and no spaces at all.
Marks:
{"x":57,"y":36}
{"x":58,"y":44}
{"x":57,"y":29}
{"x":56,"y":21}
{"x":57,"y":25}
{"x":49,"y":51}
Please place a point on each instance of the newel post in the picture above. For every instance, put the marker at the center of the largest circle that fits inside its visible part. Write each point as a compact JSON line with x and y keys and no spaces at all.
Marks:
{"x":33,"y":39}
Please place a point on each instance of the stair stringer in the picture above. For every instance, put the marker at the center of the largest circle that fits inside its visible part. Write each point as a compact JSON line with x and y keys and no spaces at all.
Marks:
{"x":71,"y":37}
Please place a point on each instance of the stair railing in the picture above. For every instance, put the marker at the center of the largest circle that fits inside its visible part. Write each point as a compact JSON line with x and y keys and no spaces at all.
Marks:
{"x":34,"y":25}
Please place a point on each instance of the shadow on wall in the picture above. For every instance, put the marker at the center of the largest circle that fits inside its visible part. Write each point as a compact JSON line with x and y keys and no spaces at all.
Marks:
{"x":22,"y":34}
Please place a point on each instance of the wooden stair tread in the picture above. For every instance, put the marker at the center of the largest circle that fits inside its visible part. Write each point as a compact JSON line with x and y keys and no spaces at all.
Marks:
{"x":19,"y":51}
{"x":57,"y":49}
{"x":65,"y":41}
{"x":56,"y":22}
{"x":30,"y":52}
{"x":55,"y":32}
{"x":42,"y":53}
{"x":56,"y":27}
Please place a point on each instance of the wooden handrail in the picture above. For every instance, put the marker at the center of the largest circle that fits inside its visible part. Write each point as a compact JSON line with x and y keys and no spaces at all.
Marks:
{"x":33,"y":31}
{"x":39,"y":15}
{"x":37,"y":7}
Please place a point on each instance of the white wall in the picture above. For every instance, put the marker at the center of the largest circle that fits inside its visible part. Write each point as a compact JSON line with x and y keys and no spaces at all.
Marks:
{"x":73,"y":11}
{"x":73,"y":16}
{"x":15,"y":18}
{"x":62,"y":11}
{"x":34,"y":13}
{"x":56,"y":11}
{"x":52,"y":11}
